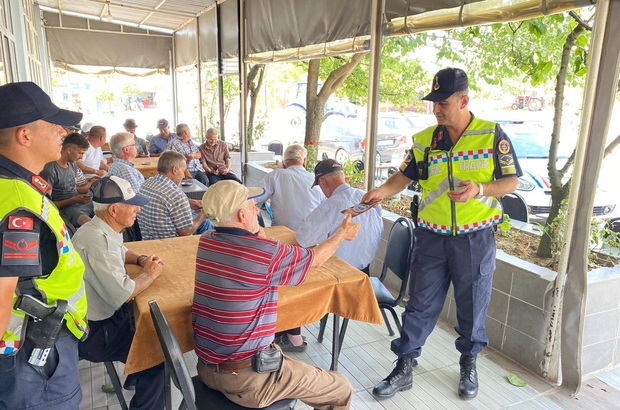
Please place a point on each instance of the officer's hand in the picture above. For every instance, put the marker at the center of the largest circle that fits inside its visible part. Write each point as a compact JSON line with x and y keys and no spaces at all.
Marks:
{"x":464,"y":191}
{"x":372,"y":196}
{"x":349,"y":229}
{"x":153,"y":266}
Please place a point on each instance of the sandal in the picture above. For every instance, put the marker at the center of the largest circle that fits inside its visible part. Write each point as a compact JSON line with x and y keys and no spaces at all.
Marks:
{"x":286,"y":345}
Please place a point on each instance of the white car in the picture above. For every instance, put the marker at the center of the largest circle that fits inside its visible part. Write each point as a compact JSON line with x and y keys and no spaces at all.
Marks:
{"x":531,"y":144}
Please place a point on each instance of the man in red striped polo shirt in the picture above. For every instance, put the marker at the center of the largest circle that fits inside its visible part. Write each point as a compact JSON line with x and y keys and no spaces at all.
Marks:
{"x":238,"y":272}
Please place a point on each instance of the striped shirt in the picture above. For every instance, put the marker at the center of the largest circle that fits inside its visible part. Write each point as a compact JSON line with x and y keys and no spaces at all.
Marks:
{"x":186,"y":148}
{"x":167,"y":211}
{"x":236,"y":291}
{"x":127,"y":171}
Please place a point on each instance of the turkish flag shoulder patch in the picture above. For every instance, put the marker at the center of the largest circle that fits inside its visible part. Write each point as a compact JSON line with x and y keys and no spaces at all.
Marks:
{"x":25,"y":223}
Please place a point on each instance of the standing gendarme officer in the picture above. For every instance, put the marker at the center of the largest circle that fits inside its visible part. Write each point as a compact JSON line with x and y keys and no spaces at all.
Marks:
{"x":463,"y":165}
{"x":40,"y":272}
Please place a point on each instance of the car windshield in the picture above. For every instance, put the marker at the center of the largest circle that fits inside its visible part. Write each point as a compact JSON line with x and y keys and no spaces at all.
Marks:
{"x":533,"y":140}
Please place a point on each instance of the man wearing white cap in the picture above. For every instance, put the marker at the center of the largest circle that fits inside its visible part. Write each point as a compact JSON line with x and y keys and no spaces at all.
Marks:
{"x":236,"y":259}
{"x":110,"y":290}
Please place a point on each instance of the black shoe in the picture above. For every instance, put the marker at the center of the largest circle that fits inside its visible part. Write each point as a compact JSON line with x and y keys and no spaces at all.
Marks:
{"x":401,"y":378}
{"x":468,"y":385}
{"x":130,"y":382}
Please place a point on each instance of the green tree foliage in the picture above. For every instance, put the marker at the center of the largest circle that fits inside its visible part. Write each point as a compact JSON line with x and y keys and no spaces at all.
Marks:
{"x":551,"y":49}
{"x":402,"y":79}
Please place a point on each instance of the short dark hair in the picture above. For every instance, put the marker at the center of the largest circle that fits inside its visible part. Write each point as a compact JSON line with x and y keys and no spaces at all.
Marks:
{"x":96,"y":131}
{"x":75,"y":139}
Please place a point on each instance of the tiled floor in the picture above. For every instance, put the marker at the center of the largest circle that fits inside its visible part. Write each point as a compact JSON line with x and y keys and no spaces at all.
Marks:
{"x":366,"y":359}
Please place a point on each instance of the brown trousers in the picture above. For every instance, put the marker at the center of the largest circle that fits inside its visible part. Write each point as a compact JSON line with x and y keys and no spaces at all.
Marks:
{"x":321,"y":389}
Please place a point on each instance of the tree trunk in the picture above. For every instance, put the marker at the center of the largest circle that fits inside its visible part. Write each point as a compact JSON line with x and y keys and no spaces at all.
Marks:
{"x":315,"y":100}
{"x":253,"y":91}
{"x":558,"y":192}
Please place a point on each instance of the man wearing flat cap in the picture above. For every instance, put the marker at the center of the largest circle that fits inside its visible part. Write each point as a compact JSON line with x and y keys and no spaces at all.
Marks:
{"x":238,"y":272}
{"x":130,"y":127}
{"x":463,"y":164}
{"x":110,"y":290}
{"x":38,"y":263}
{"x":161,"y":140}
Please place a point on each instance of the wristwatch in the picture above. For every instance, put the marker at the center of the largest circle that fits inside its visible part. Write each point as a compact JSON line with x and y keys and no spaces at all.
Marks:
{"x":480,"y":192}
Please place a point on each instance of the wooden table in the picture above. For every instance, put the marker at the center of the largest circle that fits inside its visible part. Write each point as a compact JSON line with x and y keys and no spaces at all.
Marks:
{"x":336,"y":287}
{"x":147,"y":166}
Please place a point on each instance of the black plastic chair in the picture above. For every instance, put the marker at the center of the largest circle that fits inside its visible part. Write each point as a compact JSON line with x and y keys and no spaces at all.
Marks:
{"x":275,"y":147}
{"x":116,"y":383}
{"x":398,"y":260}
{"x":196,"y":395}
{"x":514,"y":205}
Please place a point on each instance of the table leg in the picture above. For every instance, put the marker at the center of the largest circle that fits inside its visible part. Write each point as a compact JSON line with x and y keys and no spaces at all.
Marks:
{"x":335,"y":343}
{"x":343,"y":331}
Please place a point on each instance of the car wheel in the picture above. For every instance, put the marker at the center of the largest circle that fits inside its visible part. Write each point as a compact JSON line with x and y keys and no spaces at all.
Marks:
{"x":341,"y":155}
{"x":515,"y":106}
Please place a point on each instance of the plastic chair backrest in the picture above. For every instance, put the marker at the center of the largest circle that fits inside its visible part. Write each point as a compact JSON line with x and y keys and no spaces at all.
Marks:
{"x":514,"y":205}
{"x":275,"y":147}
{"x":173,"y":356}
{"x":399,"y":251}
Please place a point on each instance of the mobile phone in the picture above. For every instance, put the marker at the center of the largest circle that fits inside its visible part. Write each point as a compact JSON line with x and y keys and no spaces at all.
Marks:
{"x":360,"y":208}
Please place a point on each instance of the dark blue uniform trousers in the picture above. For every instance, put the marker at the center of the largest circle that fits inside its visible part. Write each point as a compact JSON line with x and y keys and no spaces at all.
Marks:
{"x":53,"y":386}
{"x":468,"y":261}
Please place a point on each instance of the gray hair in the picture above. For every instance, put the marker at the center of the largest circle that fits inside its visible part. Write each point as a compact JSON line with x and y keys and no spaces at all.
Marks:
{"x":333,"y":175}
{"x":295,"y":152}
{"x":181,"y":128}
{"x":100,"y":208}
{"x":461,"y":93}
{"x":119,"y":141}
{"x":211,"y":131}
{"x":168,"y":160}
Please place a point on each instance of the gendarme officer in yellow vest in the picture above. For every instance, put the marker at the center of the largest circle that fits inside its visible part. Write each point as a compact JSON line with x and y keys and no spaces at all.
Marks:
{"x":42,"y":299}
{"x":463,"y":165}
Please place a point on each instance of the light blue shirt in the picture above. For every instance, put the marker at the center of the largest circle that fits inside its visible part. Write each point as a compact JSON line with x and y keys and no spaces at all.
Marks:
{"x":325,"y":220}
{"x":159,"y":143}
{"x":126,"y":170}
{"x":292,"y":198}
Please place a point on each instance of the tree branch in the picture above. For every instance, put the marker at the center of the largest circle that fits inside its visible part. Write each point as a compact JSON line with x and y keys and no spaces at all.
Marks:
{"x":339,"y":75}
{"x":580,"y":21}
{"x":612,"y":145}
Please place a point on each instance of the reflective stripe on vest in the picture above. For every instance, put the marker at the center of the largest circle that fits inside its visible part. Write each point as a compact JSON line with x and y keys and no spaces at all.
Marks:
{"x":64,"y":282}
{"x":471,"y":158}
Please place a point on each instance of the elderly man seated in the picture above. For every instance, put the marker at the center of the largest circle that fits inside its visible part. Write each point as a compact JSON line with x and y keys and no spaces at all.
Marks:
{"x":291,"y":199}
{"x":169,"y":212}
{"x":322,"y":222}
{"x":110,"y":291}
{"x":215,"y":159}
{"x":291,"y":202}
{"x":160,"y":141}
{"x":124,"y":148}
{"x":74,"y":203}
{"x":189,"y":149}
{"x":238,"y":272}
{"x":130,"y":127}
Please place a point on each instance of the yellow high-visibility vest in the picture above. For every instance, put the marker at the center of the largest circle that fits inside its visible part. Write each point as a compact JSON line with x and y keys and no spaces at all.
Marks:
{"x":64,"y":282}
{"x":471,"y":158}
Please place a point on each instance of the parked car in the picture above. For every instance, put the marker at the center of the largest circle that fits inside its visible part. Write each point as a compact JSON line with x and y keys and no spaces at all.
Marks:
{"x":344,"y":138}
{"x":531,"y":144}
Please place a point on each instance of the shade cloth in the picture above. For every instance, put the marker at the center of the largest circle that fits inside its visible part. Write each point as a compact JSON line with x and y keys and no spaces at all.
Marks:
{"x":336,"y":287}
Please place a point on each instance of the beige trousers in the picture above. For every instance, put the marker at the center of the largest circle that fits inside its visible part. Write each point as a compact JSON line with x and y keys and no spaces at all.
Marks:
{"x":321,"y":389}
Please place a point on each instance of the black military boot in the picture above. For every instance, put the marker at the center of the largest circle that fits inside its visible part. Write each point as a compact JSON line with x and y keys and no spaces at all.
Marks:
{"x":468,"y":385}
{"x":401,"y":378}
